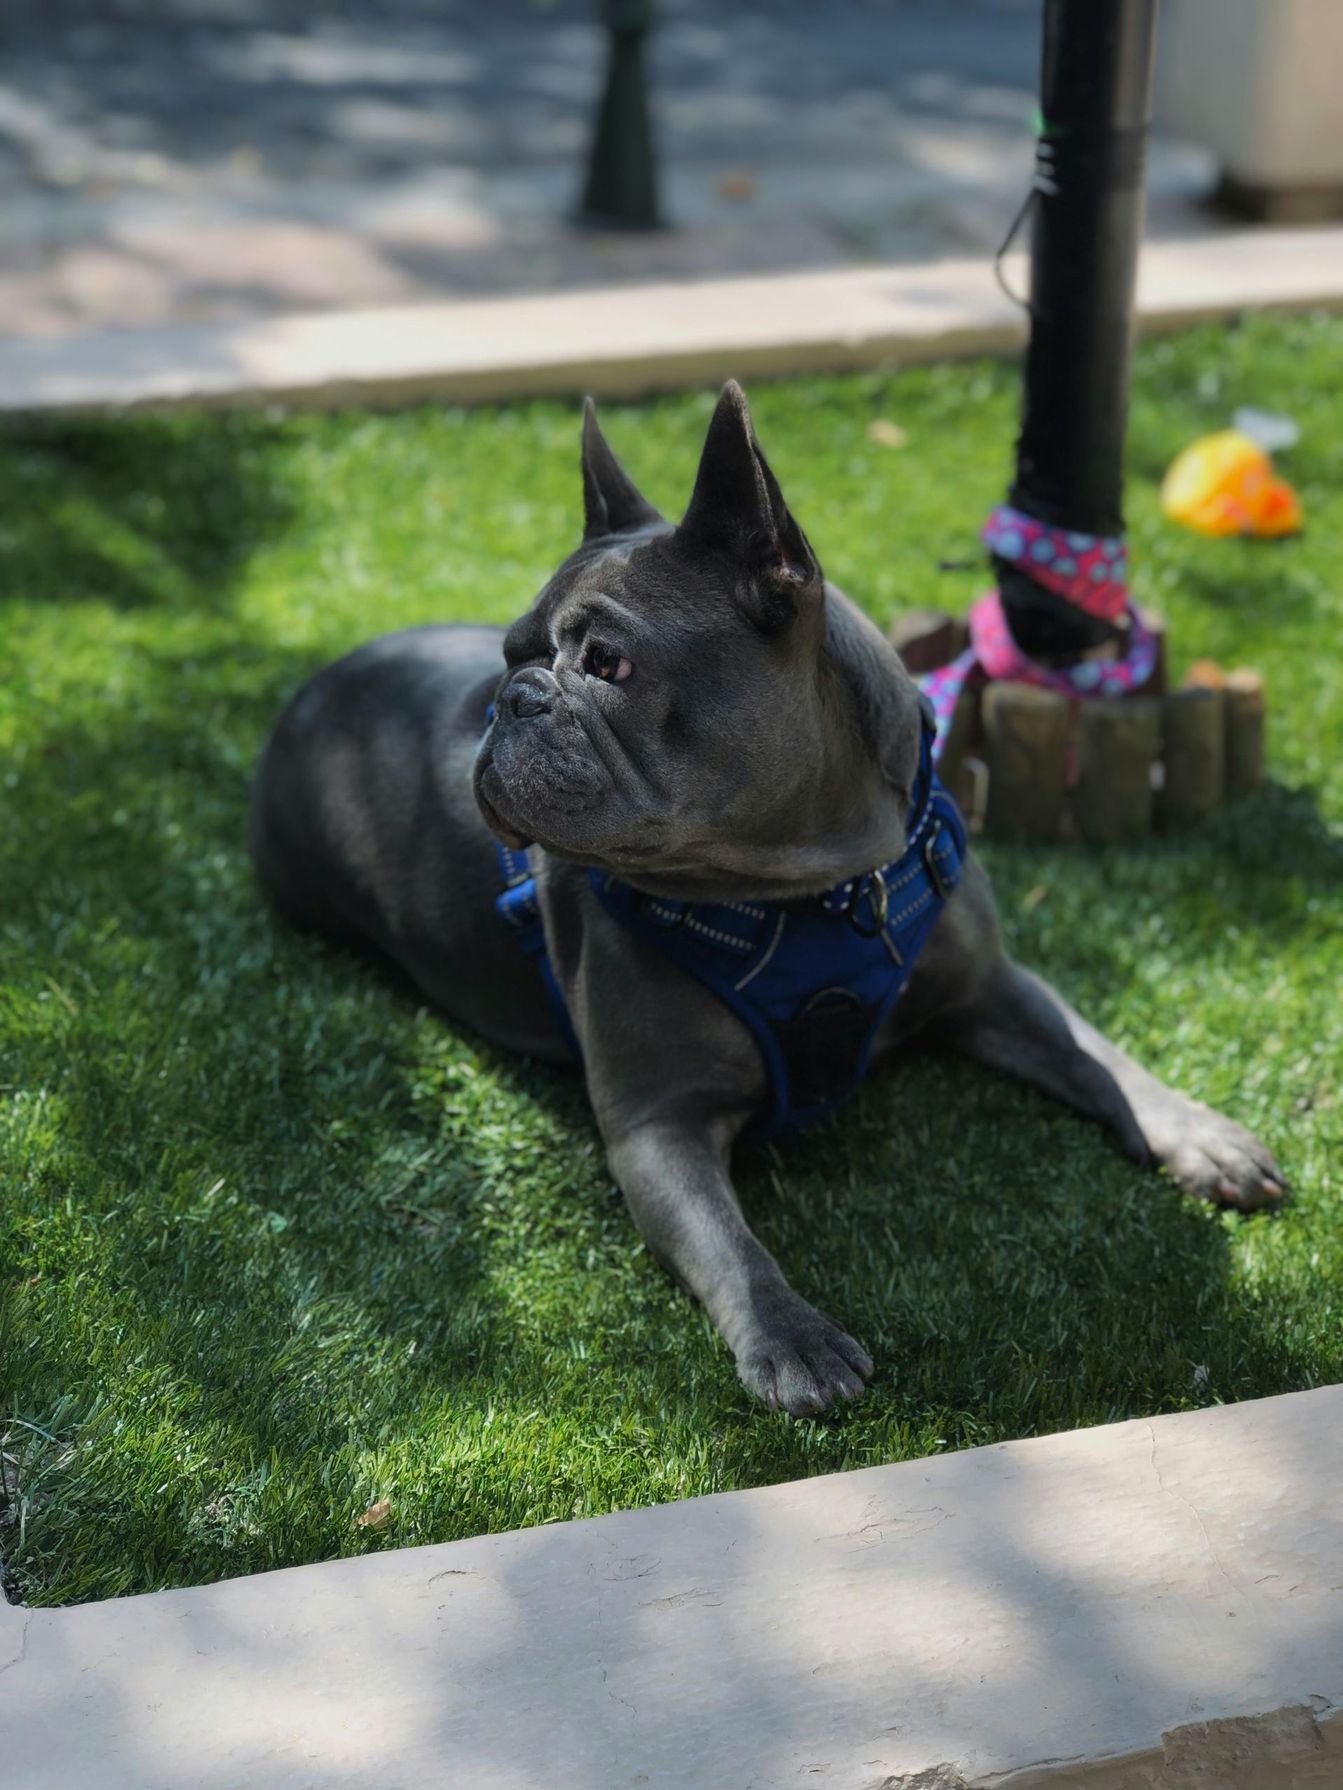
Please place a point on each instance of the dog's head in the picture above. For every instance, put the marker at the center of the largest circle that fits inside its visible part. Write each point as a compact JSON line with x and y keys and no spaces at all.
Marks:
{"x":694,"y":708}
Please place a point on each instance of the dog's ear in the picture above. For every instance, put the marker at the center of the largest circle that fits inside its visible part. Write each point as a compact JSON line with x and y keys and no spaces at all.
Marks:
{"x":612,"y":502}
{"x":737,"y":509}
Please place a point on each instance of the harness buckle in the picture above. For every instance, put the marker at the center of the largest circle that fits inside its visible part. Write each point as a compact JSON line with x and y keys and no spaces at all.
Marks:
{"x":878,"y":899}
{"x":941,"y":886}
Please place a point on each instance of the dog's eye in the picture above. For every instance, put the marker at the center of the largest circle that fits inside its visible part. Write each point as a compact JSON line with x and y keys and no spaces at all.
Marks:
{"x":606,"y":663}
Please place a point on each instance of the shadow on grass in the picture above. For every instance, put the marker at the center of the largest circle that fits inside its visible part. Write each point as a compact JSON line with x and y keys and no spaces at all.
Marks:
{"x":320,"y":1219}
{"x":147,"y":511}
{"x":1254,"y":873}
{"x":338,"y":1235}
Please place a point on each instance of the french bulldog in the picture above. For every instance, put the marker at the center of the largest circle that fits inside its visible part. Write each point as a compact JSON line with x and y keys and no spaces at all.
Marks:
{"x":694,"y":710}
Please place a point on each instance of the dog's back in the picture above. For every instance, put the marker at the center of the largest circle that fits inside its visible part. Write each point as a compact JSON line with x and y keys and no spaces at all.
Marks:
{"x":363,"y":824}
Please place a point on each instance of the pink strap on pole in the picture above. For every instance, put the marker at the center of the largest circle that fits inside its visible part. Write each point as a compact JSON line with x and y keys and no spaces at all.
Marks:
{"x":993,"y":648}
{"x":1088,"y":571}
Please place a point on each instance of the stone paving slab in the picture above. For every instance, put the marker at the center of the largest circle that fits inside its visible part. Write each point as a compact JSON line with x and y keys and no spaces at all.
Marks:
{"x":189,"y":161}
{"x":1151,"y":1605}
{"x":628,"y":341}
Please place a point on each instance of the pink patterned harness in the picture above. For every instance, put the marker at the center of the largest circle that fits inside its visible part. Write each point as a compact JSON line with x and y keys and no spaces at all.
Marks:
{"x":1089,"y":571}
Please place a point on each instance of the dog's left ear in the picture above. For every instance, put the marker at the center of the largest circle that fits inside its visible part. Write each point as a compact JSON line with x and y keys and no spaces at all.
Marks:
{"x":737,"y":509}
{"x":612,"y":503}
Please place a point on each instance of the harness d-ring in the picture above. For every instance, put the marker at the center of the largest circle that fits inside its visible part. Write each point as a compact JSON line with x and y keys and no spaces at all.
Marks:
{"x":878,"y":900}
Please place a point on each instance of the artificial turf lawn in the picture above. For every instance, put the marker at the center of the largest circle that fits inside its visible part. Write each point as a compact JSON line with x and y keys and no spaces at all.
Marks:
{"x":275,"y":1244}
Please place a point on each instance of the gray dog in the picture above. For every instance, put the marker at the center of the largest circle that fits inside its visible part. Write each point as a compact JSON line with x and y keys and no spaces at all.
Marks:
{"x":689,"y":721}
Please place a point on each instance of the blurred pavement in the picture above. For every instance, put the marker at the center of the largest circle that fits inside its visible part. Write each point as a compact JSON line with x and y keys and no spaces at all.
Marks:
{"x":180,"y":161}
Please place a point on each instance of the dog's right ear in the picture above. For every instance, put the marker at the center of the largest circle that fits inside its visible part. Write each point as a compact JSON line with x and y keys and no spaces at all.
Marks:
{"x":612,"y":502}
{"x":737,"y":510}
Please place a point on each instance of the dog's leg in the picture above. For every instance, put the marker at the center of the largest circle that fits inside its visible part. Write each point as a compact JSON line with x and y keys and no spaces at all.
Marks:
{"x":673,"y":1077}
{"x":1019,"y":1024}
{"x":675,"y":1181}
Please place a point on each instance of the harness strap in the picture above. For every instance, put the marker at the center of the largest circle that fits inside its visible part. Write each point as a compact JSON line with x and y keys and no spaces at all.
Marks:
{"x":519,"y":906}
{"x":813,"y":980}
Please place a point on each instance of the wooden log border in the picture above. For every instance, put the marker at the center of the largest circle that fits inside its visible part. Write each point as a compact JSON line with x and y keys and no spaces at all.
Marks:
{"x":1026,"y":764}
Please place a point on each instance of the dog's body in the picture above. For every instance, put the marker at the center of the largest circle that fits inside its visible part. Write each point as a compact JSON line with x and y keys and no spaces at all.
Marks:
{"x":697,"y":712}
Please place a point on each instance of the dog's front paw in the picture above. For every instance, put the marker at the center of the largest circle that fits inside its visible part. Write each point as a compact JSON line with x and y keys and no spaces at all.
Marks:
{"x":1217,"y":1159}
{"x":798,"y":1360}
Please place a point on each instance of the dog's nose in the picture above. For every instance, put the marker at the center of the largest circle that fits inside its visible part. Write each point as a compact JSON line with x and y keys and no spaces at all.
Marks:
{"x":532,"y":692}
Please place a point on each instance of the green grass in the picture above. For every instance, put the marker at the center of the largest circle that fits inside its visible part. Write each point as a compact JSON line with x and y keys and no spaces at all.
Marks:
{"x":274,"y":1244}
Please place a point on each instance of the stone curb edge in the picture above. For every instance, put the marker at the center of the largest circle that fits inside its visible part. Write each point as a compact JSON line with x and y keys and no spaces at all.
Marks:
{"x":632,"y":341}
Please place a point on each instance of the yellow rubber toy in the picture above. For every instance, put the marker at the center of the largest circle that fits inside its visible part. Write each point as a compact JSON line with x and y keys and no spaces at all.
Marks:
{"x":1224,"y":484}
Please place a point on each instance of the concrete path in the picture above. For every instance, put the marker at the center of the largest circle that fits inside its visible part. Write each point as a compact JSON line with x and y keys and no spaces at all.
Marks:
{"x":623,"y":341}
{"x":1143,"y":1606}
{"x":190,"y":161}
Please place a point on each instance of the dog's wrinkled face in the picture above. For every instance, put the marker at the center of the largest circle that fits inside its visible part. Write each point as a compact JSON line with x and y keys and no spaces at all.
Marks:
{"x":686,"y":707}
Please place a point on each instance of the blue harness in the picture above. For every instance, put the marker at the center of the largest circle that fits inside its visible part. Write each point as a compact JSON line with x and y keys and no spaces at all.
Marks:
{"x":813,"y":979}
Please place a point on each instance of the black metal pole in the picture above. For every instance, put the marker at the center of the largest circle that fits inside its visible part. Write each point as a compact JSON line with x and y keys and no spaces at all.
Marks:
{"x":620,"y":191}
{"x":1096,"y":96}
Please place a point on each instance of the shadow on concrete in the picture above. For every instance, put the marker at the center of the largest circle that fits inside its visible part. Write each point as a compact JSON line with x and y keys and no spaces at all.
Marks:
{"x":191,"y":161}
{"x":995,"y":1612}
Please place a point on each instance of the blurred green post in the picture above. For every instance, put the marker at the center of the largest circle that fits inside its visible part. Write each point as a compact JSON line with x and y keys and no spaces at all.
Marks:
{"x":621,"y":188}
